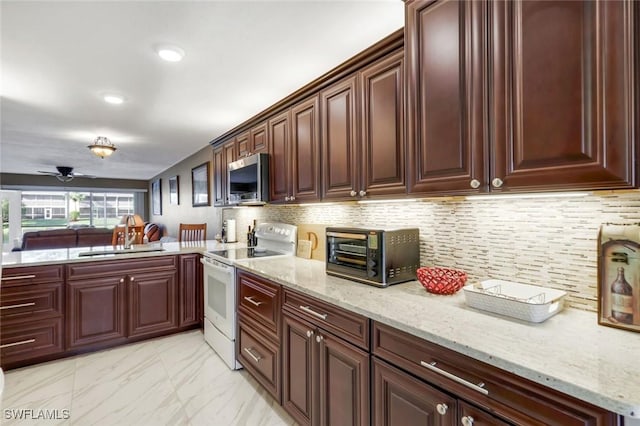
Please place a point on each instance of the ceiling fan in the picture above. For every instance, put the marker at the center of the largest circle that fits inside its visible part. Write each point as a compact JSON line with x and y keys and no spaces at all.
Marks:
{"x":65,"y":174}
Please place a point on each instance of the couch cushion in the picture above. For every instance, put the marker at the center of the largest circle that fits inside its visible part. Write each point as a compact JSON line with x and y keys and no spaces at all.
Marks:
{"x":53,"y":238}
{"x":88,"y":237}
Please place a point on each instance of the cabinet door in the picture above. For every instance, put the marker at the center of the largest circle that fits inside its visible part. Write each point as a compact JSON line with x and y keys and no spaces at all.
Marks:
{"x":190,"y":290}
{"x":445,"y":99}
{"x":400,"y":399}
{"x":219,"y":177}
{"x":470,"y":415}
{"x":562,"y":94}
{"x":383,"y":145}
{"x":96,"y":311}
{"x":305,"y":165}
{"x":280,"y":160}
{"x":243,"y":146}
{"x":343,"y":385}
{"x":152,"y":302}
{"x":258,"y":139}
{"x":340,"y":156}
{"x":298,"y":396}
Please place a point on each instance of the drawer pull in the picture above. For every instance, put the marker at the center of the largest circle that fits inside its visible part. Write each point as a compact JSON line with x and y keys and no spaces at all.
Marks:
{"x":256,"y":358}
{"x":22,"y":342}
{"x":19,"y":277}
{"x":479,"y":387}
{"x":19,"y":305}
{"x":314,"y":313}
{"x":253,"y":302}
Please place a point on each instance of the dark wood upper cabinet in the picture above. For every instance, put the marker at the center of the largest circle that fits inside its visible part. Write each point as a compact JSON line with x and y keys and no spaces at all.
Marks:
{"x":340,"y":151}
{"x":382,"y":121}
{"x":520,"y":95}
{"x":279,"y":129}
{"x":258,"y":141}
{"x":562,"y":94}
{"x":305,"y":150}
{"x":219,"y":177}
{"x":243,"y":147}
{"x":445,"y":63}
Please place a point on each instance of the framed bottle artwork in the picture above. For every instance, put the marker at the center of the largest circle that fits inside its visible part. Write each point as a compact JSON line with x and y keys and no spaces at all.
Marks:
{"x":619,"y":276}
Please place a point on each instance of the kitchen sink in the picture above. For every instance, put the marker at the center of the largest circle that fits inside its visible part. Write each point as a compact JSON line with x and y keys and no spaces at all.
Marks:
{"x":120,"y":251}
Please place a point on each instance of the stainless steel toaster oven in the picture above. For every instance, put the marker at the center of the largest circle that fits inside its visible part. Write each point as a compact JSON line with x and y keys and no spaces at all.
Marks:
{"x":378,"y":257}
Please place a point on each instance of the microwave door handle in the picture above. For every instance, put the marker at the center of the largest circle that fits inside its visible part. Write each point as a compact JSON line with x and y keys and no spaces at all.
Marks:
{"x":347,"y":235}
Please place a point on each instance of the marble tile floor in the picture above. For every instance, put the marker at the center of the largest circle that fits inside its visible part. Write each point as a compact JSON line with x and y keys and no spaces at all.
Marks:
{"x":173,"y":380}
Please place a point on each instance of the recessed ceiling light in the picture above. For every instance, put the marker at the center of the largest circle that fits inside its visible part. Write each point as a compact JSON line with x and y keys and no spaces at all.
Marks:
{"x":111,"y":98}
{"x":170,"y":53}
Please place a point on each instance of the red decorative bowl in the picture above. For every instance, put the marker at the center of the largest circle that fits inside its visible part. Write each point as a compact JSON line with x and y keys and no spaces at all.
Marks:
{"x":441,"y":280}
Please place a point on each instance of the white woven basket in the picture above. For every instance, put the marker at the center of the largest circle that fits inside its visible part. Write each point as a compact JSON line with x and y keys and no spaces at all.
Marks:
{"x":522,"y":301}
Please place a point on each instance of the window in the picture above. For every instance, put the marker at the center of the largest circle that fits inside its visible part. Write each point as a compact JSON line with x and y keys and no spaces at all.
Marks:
{"x":60,"y":209}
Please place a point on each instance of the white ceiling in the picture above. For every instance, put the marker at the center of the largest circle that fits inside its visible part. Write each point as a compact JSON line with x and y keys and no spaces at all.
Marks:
{"x":59,"y":58}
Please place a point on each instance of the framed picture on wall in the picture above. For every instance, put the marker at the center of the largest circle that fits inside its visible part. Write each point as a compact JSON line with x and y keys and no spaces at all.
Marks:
{"x":156,"y":196}
{"x":200,"y":185}
{"x":174,"y":190}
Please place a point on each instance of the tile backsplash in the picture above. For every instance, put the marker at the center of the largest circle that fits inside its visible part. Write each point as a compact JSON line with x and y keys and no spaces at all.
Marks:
{"x":546,"y":241}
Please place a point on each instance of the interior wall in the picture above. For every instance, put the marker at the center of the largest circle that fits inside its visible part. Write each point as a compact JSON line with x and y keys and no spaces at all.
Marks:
{"x":174,"y":214}
{"x":547,"y":241}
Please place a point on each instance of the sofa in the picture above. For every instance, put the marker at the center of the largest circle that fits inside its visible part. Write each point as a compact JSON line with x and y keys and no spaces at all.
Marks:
{"x":66,"y":238}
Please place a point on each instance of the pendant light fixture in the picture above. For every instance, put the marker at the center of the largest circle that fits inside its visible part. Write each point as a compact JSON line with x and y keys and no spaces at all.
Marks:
{"x":102,"y":147}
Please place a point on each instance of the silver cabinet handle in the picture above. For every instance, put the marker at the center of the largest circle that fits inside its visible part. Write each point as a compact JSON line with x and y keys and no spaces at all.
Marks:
{"x":467,"y":421}
{"x":19,"y":277}
{"x":286,"y":198}
{"x":442,"y":409}
{"x":319,"y":338}
{"x":132,"y":279}
{"x":353,"y":193}
{"x":256,"y":358}
{"x":22,"y":342}
{"x":479,"y":387}
{"x":497,"y":182}
{"x":19,"y":305}
{"x":121,"y":280}
{"x":475,"y":183}
{"x":314,"y":313}
{"x":309,"y":333}
{"x":253,"y":302}
{"x":362,"y":193}
{"x":292,"y":198}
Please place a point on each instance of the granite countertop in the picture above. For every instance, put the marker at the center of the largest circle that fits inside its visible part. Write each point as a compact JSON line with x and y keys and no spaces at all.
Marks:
{"x":568,"y":352}
{"x":72,"y":255}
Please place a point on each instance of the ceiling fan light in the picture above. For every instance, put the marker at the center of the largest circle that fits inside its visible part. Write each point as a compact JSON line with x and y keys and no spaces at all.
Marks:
{"x":64,"y":179}
{"x":170,"y":53}
{"x":102,"y":147}
{"x":113,"y":99}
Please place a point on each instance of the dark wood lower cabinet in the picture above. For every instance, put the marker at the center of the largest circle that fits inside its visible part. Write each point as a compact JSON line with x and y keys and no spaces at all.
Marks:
{"x":152,"y":303}
{"x":325,"y":379}
{"x":400,"y":399}
{"x":190,"y":305}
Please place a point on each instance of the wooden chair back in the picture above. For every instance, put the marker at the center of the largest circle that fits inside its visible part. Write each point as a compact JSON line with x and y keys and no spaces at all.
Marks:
{"x":192,"y":232}
{"x":134,"y":231}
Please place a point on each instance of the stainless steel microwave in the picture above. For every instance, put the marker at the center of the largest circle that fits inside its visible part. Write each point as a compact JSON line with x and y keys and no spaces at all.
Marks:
{"x":373,"y":256}
{"x":248,"y":180}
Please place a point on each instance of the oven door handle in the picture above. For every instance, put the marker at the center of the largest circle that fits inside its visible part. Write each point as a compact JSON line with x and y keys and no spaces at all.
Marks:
{"x":224,"y":269}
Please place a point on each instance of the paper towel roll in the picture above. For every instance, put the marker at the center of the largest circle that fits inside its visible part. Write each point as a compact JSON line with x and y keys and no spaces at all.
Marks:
{"x":231,"y":231}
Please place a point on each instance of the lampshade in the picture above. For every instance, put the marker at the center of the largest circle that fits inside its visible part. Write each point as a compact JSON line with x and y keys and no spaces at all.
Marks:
{"x":102,"y":147}
{"x":133,"y":219}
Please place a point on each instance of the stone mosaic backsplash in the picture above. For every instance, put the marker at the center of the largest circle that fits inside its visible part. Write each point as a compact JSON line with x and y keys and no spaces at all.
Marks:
{"x":547,"y":241}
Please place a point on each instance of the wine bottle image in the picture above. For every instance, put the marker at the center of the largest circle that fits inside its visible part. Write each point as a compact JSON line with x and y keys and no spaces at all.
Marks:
{"x":621,"y":299}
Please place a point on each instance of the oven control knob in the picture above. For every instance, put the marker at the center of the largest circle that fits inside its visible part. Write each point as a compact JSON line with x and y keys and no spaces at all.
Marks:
{"x":372,"y":273}
{"x":371,"y":263}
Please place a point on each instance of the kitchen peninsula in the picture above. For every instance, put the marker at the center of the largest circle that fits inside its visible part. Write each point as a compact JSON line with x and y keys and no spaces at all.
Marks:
{"x":568,"y":353}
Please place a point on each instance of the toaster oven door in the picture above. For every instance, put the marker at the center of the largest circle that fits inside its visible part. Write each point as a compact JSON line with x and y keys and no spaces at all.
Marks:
{"x":348,"y":255}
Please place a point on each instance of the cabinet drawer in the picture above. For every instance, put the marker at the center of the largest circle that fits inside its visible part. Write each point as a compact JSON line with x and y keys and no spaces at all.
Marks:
{"x":260,"y":300}
{"x":123,"y":267}
{"x":347,"y":325}
{"x":12,"y":277}
{"x":260,"y":357}
{"x":29,"y":340}
{"x":32,"y":302}
{"x":514,"y":398}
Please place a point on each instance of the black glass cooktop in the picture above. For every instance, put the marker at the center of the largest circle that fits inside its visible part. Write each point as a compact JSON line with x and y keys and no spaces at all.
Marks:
{"x":244,"y":253}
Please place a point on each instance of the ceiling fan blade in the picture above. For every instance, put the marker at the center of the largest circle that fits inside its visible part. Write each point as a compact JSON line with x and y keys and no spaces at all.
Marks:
{"x":83,"y":175}
{"x":48,"y":173}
